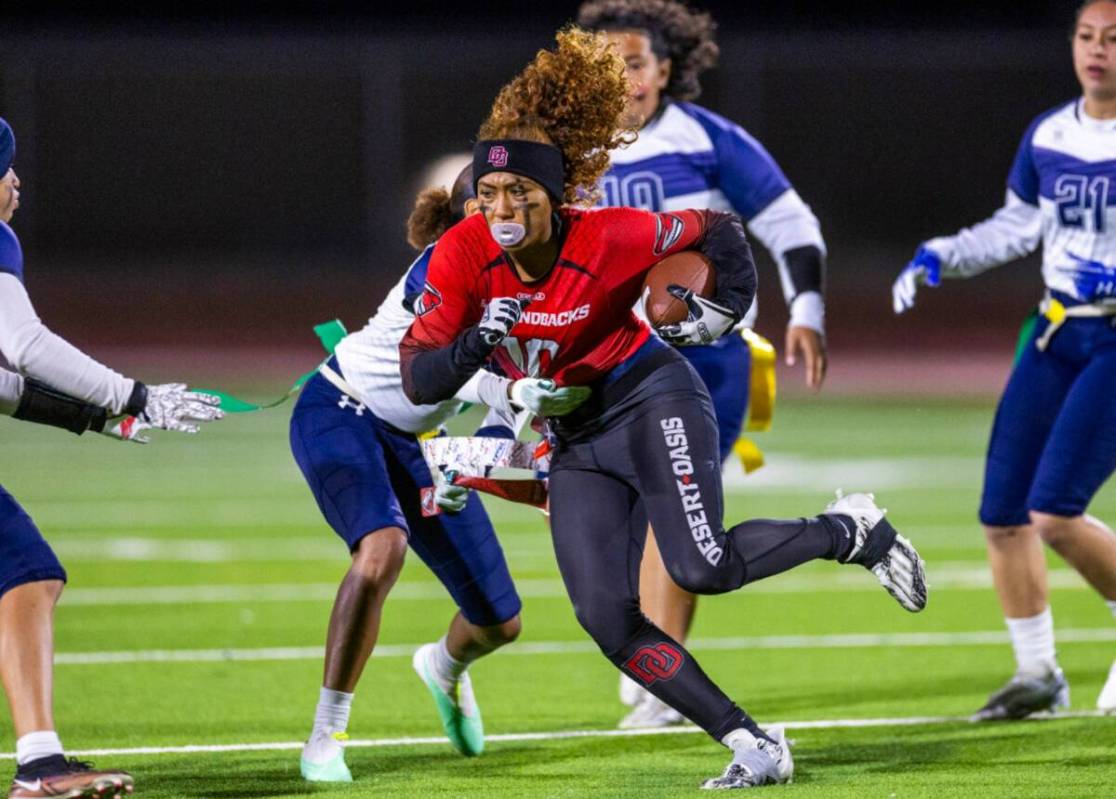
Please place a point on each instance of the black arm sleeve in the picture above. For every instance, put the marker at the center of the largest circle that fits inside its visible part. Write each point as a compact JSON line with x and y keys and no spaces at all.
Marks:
{"x":431,"y":376}
{"x":806,"y":269}
{"x":725,"y":244}
{"x":43,"y":405}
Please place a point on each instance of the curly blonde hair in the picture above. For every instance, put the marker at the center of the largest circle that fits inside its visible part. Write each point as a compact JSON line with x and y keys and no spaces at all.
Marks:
{"x":678,"y":32}
{"x":572,"y":97}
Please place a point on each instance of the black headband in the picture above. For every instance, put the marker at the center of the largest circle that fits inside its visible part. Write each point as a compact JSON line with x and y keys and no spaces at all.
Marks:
{"x":541,"y":163}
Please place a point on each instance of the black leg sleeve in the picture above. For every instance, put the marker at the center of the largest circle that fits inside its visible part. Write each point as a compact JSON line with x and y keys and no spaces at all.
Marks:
{"x":674,"y":455}
{"x":598,"y":530}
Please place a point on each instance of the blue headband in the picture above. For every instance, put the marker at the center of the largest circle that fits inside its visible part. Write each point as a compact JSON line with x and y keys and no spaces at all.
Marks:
{"x":7,"y":147}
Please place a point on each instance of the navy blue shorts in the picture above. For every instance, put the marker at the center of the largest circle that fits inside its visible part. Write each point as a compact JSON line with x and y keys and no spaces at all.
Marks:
{"x":25,"y":557}
{"x":1054,"y":439}
{"x":367,"y":475}
{"x":725,"y":366}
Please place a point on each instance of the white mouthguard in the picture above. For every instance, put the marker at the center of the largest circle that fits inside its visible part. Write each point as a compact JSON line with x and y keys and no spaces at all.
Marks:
{"x":507,"y":234}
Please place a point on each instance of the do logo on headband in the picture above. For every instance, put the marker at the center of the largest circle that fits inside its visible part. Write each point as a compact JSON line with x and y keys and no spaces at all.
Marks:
{"x":498,"y":156}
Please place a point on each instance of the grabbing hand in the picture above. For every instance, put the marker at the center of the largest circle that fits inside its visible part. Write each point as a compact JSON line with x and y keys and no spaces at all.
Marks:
{"x":925,"y":269}
{"x":171,"y":406}
{"x":500,"y":316}
{"x":447,"y":496}
{"x":706,"y":323}
{"x":545,"y":398}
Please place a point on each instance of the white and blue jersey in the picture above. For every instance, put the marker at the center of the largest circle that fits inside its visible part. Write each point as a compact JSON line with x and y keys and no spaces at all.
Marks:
{"x":689,"y":157}
{"x":11,"y":263}
{"x":1053,"y":443}
{"x":25,"y":557}
{"x":1061,"y":192}
{"x":369,"y":357}
{"x":360,"y":455}
{"x":11,"y":254}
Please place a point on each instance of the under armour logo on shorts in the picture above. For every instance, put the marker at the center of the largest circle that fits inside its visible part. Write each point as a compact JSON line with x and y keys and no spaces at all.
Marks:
{"x":347,"y":402}
{"x":498,"y":155}
{"x":652,"y":663}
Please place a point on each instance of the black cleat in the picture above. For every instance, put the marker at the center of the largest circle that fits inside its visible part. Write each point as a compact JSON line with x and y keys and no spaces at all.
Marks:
{"x":61,"y":778}
{"x":1024,"y":695}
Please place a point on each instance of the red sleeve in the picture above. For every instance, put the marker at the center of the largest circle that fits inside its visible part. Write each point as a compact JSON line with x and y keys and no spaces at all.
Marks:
{"x":443,"y":348}
{"x":641,"y":239}
{"x":447,"y":305}
{"x":646,"y":238}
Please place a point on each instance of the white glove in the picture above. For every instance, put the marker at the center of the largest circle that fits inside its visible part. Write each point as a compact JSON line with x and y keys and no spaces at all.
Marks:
{"x":707,"y":321}
{"x":925,"y":269}
{"x":545,"y":398}
{"x":500,"y":316}
{"x":170,"y":406}
{"x":447,"y":496}
{"x":127,"y":428}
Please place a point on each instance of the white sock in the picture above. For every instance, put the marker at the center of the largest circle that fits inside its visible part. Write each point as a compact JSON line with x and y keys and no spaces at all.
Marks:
{"x":1111,"y":605}
{"x":739,"y":737}
{"x":332,"y":714}
{"x":34,"y":745}
{"x":1032,"y":639}
{"x":445,"y":668}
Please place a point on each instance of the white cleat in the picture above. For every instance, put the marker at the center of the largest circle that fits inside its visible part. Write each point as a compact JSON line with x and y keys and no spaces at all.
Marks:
{"x":630,"y":691}
{"x":755,"y":762}
{"x":650,"y":713}
{"x":880,"y":549}
{"x":1106,"y":702}
{"x":323,"y":758}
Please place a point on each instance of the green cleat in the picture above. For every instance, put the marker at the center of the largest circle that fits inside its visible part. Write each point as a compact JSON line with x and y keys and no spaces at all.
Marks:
{"x":328,"y":760}
{"x":461,"y":718}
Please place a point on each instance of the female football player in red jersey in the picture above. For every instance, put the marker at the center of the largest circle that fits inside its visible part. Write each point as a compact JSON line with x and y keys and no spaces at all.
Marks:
{"x":690,"y":157}
{"x":545,"y":290}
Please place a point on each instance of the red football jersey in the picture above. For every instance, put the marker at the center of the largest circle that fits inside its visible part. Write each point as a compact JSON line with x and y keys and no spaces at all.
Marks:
{"x":579,"y":324}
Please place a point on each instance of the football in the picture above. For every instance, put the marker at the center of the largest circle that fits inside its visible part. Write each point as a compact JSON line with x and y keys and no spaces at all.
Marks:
{"x":689,"y":269}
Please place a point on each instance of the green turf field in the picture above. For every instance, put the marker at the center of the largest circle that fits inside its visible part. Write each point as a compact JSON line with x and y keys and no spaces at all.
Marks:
{"x":201,"y":578}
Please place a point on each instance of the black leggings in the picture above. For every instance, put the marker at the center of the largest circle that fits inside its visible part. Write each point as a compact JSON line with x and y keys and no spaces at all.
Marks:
{"x":658,"y":461}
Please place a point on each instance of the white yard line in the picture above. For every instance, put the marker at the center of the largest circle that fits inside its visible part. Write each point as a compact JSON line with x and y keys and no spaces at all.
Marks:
{"x":556,"y":735}
{"x":944,"y":577}
{"x":838,"y":641}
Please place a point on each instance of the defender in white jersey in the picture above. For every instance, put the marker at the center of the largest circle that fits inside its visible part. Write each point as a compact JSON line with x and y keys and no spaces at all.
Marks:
{"x":1054,"y":440}
{"x":355,"y":437}
{"x":687,"y":156}
{"x":46,"y":380}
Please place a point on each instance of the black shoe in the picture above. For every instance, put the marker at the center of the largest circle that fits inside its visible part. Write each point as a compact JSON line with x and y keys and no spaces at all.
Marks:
{"x":61,"y":778}
{"x":1024,"y":695}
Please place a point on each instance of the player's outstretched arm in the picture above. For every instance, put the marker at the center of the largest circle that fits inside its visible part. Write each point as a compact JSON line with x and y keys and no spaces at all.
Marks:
{"x":1012,"y":232}
{"x":29,"y":400}
{"x":59,"y":385}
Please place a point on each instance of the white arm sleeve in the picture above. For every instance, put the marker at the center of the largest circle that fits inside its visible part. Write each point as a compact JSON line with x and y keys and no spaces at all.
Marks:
{"x":11,"y":389}
{"x":785,"y":224}
{"x":486,"y":388}
{"x":33,"y":351}
{"x":1012,"y":232}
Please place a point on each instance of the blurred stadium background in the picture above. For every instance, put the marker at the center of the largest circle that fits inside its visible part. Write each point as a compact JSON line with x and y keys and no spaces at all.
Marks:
{"x":203,"y":184}
{"x":214,"y":180}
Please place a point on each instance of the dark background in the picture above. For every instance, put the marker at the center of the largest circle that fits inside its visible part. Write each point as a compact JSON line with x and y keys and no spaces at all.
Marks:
{"x":234,"y":173}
